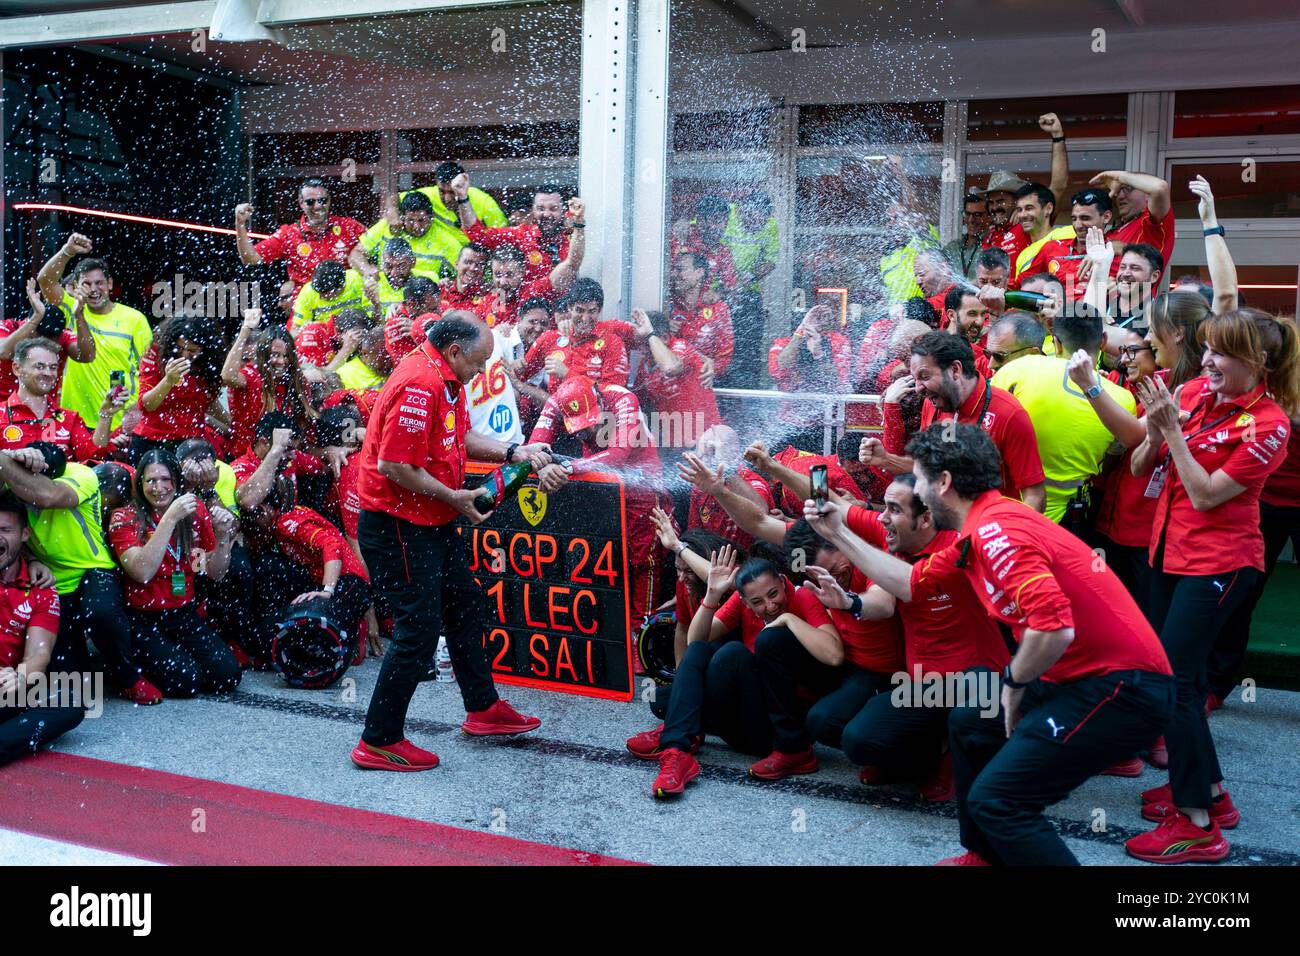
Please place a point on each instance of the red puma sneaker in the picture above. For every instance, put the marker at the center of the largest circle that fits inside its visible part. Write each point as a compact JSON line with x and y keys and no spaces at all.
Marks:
{"x":1125,"y":768}
{"x":1158,"y":755}
{"x":939,"y":788}
{"x":677,"y":768}
{"x":1222,"y":810}
{"x":646,"y":744}
{"x":777,"y":765}
{"x":1179,"y":840}
{"x":403,"y":756}
{"x":499,"y":719}
{"x":143,"y":693}
{"x":969,"y":858}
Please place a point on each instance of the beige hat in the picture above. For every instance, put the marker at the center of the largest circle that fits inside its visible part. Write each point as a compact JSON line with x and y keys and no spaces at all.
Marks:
{"x":1002,"y":181}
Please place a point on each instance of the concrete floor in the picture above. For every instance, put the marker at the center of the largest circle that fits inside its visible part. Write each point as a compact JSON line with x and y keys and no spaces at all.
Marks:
{"x":573,"y":784}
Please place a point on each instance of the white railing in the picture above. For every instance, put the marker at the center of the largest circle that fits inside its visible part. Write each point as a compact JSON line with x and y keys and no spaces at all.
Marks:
{"x":832,"y":407}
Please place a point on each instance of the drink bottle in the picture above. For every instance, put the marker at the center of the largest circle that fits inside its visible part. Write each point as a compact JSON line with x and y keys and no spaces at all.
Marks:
{"x":1026,"y":301}
{"x":500,"y":483}
{"x":442,"y":663}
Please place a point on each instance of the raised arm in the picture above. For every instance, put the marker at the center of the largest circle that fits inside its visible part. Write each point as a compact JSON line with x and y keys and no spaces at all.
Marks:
{"x":748,"y":514}
{"x":232,"y":369}
{"x":1050,"y":124}
{"x":247,"y":254}
{"x":1119,"y":421}
{"x":1223,"y":272}
{"x":51,"y":275}
{"x":891,"y":573}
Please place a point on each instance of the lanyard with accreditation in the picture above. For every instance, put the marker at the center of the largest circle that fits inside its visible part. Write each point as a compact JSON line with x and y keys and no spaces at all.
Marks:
{"x":1161,"y":473}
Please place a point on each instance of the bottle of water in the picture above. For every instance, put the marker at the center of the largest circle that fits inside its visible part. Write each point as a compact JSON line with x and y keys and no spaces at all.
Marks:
{"x":442,"y":663}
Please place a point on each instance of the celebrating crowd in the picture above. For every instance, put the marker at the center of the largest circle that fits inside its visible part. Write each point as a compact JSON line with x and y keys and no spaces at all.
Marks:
{"x":1072,"y":487}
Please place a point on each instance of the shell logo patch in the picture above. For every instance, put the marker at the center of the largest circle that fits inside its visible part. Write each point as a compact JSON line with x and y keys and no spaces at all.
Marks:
{"x":13,"y":433}
{"x":450,"y":422}
{"x":534,"y":257}
{"x":1054,"y":267}
{"x":1245,"y":419}
{"x":557,"y":355}
{"x":304,"y":249}
{"x":532,"y":504}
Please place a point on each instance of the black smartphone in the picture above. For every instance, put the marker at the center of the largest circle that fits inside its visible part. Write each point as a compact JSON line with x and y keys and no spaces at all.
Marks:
{"x":820,"y":486}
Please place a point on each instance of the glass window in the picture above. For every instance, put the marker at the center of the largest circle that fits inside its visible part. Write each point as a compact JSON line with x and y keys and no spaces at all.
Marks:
{"x":316,"y":149}
{"x":487,"y":142}
{"x":1274,"y":192}
{"x":1081,"y":116}
{"x":1257,"y":111}
{"x":865,"y":123}
{"x":730,"y":180}
{"x":1271,"y":288}
{"x":715,"y":132}
{"x":857,"y":192}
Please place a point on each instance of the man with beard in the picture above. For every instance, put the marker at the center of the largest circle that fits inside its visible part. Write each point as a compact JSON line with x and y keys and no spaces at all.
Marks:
{"x":587,"y":350}
{"x":467,"y":289}
{"x":965,"y":315}
{"x":1140,"y":269}
{"x":1035,"y":213}
{"x":501,"y":305}
{"x":1064,"y":258}
{"x":943,"y":368}
{"x":303,"y":245}
{"x":1089,"y":683}
{"x":544,"y":239}
{"x":121,"y":334}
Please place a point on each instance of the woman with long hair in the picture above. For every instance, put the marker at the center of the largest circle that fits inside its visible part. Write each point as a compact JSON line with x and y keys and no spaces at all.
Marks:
{"x":164,"y":541}
{"x":263,"y":374}
{"x":1206,"y":472}
{"x":180,"y":378}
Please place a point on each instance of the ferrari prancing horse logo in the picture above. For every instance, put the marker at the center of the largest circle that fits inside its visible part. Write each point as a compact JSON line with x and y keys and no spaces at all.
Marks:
{"x":532,"y":504}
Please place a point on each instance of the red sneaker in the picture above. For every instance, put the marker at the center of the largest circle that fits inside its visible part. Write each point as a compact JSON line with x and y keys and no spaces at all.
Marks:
{"x":241,"y":658}
{"x":500,"y":718}
{"x":1222,"y":810}
{"x":677,"y":768}
{"x":939,"y":788}
{"x":386,"y":628}
{"x":1212,"y":703}
{"x":1125,"y":768}
{"x":777,"y":765}
{"x":969,"y":858}
{"x":403,"y":756}
{"x":1179,"y":840}
{"x":646,"y":744}
{"x":1161,"y":794}
{"x":871,"y":776}
{"x":1158,"y":755}
{"x":143,"y":693}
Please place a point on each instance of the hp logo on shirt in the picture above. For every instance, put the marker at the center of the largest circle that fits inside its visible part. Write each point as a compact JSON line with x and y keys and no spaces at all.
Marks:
{"x":501,"y":419}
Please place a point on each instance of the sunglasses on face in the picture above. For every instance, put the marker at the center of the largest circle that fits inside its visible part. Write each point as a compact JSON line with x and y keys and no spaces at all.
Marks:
{"x":1001,"y":357}
{"x":317,"y":202}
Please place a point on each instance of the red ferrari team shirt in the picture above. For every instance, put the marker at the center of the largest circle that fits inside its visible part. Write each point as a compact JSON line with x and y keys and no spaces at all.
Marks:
{"x":708,"y":328}
{"x":721,"y":264}
{"x":183,"y":412}
{"x":603,"y":359}
{"x":21,"y":426}
{"x":945,"y":630}
{"x":497,"y":308}
{"x":541,"y":253}
{"x":303,"y":250}
{"x":22,"y":606}
{"x":1032,"y":574}
{"x":1247,"y":439}
{"x":872,"y":645}
{"x":127,"y":531}
{"x":1011,"y":239}
{"x":420,"y":419}
{"x":1005,"y":420}
{"x":1145,"y":229}
{"x":694,"y":407}
{"x":706,"y":513}
{"x":1282,"y":490}
{"x":800,"y":602}
{"x":309,"y":540}
{"x":1059,"y":258}
{"x":316,"y":342}
{"x":803,"y":462}
{"x":686,"y":605}
{"x":454,"y":298}
{"x":8,"y":380}
{"x":1126,"y":513}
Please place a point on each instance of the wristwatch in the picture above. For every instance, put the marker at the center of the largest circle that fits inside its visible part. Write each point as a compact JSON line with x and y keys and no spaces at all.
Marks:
{"x":510,"y":452}
{"x":1214,"y":231}
{"x":855,"y":605}
{"x":1093,"y":391}
{"x":461,"y":202}
{"x":1010,"y":681}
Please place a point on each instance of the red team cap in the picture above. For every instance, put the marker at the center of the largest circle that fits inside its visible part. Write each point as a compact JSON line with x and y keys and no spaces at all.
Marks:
{"x":578,"y":403}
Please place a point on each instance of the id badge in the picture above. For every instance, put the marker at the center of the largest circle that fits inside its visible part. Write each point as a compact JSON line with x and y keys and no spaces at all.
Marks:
{"x":178,"y":584}
{"x":1157,"y":482}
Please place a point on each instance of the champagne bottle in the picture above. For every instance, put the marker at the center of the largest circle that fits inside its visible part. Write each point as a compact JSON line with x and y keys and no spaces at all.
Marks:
{"x":500,"y":483}
{"x":1026,"y":301}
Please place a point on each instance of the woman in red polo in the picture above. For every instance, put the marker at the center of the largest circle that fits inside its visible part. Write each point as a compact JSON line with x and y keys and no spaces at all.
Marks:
{"x":164,"y":542}
{"x":1205,"y":474}
{"x":180,"y":378}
